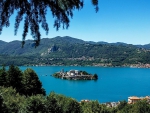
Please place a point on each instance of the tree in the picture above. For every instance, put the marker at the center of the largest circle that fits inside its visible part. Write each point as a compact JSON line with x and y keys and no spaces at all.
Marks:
{"x":91,"y":107}
{"x":123,"y":107}
{"x":141,"y":106}
{"x":3,"y":108}
{"x":14,"y":77}
{"x":33,"y":12}
{"x":53,"y":105}
{"x":36,"y":104}
{"x":13,"y":101}
{"x":57,"y":103}
{"x":31,"y":84}
{"x":95,"y":76}
{"x":3,"y":77}
{"x":72,"y":106}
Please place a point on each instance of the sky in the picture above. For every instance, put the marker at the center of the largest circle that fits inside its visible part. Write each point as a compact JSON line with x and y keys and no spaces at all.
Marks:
{"x":125,"y":21}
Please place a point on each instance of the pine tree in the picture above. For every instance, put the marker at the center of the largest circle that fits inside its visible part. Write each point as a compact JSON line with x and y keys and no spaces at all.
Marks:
{"x":33,"y":12}
{"x":14,"y":77}
{"x":3,"y":77}
{"x":31,"y":83}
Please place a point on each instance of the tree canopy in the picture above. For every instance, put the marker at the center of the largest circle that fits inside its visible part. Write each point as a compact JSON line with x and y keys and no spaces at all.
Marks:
{"x":25,"y":83}
{"x":33,"y":12}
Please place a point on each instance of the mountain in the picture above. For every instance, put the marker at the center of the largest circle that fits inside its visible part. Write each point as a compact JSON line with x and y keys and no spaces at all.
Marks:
{"x":2,"y":44}
{"x":101,"y":42}
{"x":71,"y":51}
{"x":14,"y":47}
{"x":146,"y":46}
{"x":67,"y":39}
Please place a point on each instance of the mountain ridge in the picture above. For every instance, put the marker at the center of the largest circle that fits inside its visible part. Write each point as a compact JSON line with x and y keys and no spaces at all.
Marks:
{"x":72,"y":51}
{"x":76,"y":40}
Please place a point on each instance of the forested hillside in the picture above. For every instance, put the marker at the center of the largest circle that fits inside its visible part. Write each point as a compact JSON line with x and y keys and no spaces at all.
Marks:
{"x":72,"y":51}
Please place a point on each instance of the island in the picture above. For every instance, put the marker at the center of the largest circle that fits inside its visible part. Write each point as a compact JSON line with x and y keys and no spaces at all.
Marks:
{"x":75,"y":75}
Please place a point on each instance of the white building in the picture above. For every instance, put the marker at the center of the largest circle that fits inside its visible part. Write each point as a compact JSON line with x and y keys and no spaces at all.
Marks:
{"x":73,"y":72}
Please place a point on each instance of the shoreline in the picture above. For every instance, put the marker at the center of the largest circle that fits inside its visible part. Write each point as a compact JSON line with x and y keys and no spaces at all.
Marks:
{"x":130,"y":66}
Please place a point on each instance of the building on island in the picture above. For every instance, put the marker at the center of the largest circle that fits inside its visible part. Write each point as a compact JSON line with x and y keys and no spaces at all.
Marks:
{"x":75,"y":75}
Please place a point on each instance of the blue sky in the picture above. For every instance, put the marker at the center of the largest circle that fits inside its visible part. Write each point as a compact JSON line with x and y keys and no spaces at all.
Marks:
{"x":117,"y":21}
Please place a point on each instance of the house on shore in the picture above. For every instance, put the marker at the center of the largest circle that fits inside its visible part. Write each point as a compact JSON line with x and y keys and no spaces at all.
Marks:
{"x":134,"y":99}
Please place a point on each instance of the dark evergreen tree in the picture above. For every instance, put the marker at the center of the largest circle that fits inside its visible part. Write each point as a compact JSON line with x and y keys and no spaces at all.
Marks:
{"x":36,"y":104}
{"x":14,"y":77}
{"x":31,"y":83}
{"x":3,"y":77}
{"x":95,"y":76}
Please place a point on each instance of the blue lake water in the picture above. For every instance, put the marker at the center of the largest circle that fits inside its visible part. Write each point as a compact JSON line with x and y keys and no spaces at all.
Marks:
{"x":114,"y":84}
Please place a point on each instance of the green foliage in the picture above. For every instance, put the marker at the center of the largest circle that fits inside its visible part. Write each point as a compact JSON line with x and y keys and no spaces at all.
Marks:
{"x":85,"y":73}
{"x":56,"y":75}
{"x":31,"y":83}
{"x":26,"y":83}
{"x":36,"y":104}
{"x":53,"y":106}
{"x":3,"y":108}
{"x":93,"y":107}
{"x":34,"y":14}
{"x":95,"y":76}
{"x":14,"y":102}
{"x":14,"y":77}
{"x":72,"y":106}
{"x":3,"y":77}
{"x":141,"y":107}
{"x":122,"y":105}
{"x":60,"y":104}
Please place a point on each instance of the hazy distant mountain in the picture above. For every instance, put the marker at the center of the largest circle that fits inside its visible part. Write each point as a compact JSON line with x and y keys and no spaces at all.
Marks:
{"x":119,"y":43}
{"x":146,"y":46}
{"x":67,"y":39}
{"x":2,"y":44}
{"x":101,"y":42}
{"x":116,"y":44}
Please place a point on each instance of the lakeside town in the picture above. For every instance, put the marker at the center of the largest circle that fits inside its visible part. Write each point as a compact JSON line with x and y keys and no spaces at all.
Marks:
{"x":131,"y":100}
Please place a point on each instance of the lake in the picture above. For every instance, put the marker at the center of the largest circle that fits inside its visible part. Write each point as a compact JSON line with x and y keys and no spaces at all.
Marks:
{"x":113,"y":84}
